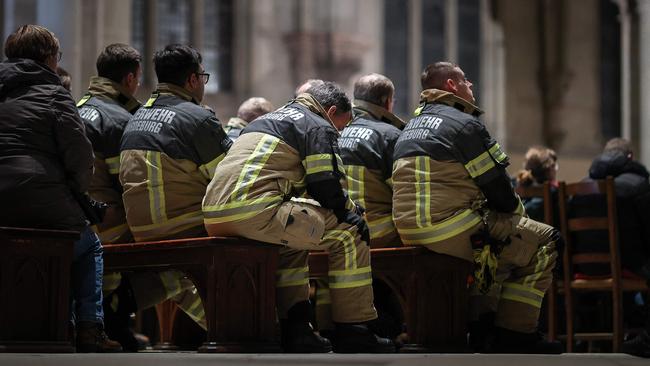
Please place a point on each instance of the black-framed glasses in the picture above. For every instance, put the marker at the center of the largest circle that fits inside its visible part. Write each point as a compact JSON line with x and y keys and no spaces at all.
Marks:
{"x":204,"y":75}
{"x":59,"y":56}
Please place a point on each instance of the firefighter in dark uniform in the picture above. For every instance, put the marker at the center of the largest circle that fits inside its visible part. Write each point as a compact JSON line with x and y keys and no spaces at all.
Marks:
{"x":168,"y":154}
{"x":280,"y":183}
{"x":453,"y":195}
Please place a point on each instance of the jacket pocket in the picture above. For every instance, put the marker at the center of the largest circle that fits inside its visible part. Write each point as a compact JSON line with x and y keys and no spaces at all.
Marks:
{"x":304,"y":226}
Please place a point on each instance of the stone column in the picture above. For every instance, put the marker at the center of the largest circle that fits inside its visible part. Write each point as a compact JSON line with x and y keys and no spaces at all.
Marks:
{"x":643,"y":8}
{"x":451,"y":30}
{"x":626,"y":80}
{"x":415,"y":52}
{"x":196,"y":24}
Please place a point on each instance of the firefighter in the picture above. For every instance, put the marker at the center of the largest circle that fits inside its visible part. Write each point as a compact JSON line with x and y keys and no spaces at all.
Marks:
{"x":280,"y":183}
{"x":168,"y":154}
{"x":250,"y":109}
{"x":367,"y":151}
{"x":452,"y":194}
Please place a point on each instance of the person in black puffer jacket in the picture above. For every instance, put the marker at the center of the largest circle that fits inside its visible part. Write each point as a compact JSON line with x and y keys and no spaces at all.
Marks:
{"x":633,"y":202}
{"x":46,"y":163}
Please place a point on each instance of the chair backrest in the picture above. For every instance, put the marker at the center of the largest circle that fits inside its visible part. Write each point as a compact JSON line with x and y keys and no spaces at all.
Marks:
{"x":571,"y":225}
{"x":544,"y":192}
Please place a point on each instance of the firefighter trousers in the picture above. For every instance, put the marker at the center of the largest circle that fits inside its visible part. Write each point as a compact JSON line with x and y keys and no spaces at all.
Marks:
{"x":151,"y":288}
{"x":524,"y":272}
{"x":300,"y":227}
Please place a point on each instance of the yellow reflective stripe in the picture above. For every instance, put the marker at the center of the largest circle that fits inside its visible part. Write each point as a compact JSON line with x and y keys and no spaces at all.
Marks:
{"x":239,"y":210}
{"x":208,"y":168}
{"x":253,"y":166}
{"x":480,"y":165}
{"x":339,"y":164}
{"x":171,"y":281}
{"x":349,"y":246}
{"x":323,"y":296}
{"x":112,"y":234}
{"x":497,"y":153}
{"x":83,"y":100}
{"x":356,"y":186}
{"x":350,"y":278}
{"x":292,"y":277}
{"x":155,"y":186}
{"x":520,"y":210}
{"x":181,"y":223}
{"x":444,"y":230}
{"x":422,"y":192}
{"x":542,"y":262}
{"x":381,"y":227}
{"x":519,"y":293}
{"x":418,"y":110}
{"x":113,"y":164}
{"x":151,"y":100}
{"x":318,"y":163}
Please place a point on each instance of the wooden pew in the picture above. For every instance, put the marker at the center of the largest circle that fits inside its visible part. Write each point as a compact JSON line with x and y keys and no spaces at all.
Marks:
{"x":432,"y":289}
{"x":235,"y":278}
{"x":35,"y":270}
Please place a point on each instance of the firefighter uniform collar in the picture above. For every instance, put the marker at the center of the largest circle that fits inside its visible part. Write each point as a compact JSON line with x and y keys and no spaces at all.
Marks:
{"x":167,"y":88}
{"x":107,"y":88}
{"x":237,"y":122}
{"x":312,"y":104}
{"x":450,"y":99}
{"x":377,"y":113}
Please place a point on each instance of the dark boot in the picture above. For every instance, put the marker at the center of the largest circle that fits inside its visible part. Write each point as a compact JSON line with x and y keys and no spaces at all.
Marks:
{"x":117,"y":322}
{"x":297,"y":333}
{"x":638,"y":346}
{"x":92,"y":339}
{"x":481,"y":333}
{"x":357,"y":338}
{"x":509,"y":341}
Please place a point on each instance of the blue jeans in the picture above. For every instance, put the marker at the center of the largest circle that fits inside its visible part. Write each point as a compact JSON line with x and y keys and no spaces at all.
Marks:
{"x":87,"y":272}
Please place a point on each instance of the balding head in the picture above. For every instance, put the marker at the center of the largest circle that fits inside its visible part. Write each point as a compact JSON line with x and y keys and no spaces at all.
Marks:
{"x":376,"y":89}
{"x":308,"y":84}
{"x":253,"y":108}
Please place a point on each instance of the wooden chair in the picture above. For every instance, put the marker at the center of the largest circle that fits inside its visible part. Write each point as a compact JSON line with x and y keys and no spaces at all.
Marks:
{"x":544,"y":192}
{"x":614,"y":283}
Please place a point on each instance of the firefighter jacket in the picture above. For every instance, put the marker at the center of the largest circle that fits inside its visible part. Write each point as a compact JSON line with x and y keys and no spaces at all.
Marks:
{"x":367,"y":146}
{"x":234,"y":127}
{"x":44,"y":152}
{"x":105,"y":111}
{"x":169,"y":151}
{"x":291,"y":152}
{"x":448,"y":171}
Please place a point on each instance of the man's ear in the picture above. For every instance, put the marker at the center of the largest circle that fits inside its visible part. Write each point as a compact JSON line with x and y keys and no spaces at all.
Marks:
{"x":450,"y":86}
{"x":331,"y":111}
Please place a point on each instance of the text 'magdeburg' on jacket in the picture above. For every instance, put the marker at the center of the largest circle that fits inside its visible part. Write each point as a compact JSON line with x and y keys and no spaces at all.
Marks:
{"x":169,"y":152}
{"x":44,"y":152}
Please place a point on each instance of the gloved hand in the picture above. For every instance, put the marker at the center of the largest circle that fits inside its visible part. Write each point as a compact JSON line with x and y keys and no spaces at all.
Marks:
{"x":360,"y":209}
{"x":355,"y":219}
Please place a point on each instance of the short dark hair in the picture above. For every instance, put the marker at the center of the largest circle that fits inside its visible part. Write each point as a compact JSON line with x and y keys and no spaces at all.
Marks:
{"x":618,"y":144}
{"x":175,"y":63}
{"x":117,"y":60}
{"x":66,"y":80}
{"x":374,"y":88}
{"x":435,"y":75}
{"x":33,"y":42}
{"x":330,"y":94}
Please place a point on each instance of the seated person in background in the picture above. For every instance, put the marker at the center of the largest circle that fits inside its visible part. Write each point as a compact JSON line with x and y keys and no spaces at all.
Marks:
{"x":47,"y":163}
{"x":65,"y":77}
{"x":247,"y":112}
{"x":540,"y":167}
{"x":633,"y":203}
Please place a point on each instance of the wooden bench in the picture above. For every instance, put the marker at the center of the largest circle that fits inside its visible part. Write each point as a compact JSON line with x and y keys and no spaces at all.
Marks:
{"x":432,"y":289}
{"x":235,"y":278}
{"x":35,"y":270}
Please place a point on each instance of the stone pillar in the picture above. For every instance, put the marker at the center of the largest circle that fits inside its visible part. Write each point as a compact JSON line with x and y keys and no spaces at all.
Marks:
{"x":115,"y":20}
{"x":493,"y":77}
{"x":196,"y":24}
{"x":451,"y":30}
{"x":643,"y":8}
{"x":415,"y":52}
{"x":150,"y":41}
{"x":626,"y":80}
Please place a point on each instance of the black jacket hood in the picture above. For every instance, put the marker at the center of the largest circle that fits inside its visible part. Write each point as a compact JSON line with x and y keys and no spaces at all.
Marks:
{"x":615,"y":163}
{"x":19,"y":72}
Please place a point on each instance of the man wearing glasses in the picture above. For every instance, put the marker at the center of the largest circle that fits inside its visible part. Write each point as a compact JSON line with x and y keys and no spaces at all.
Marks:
{"x":168,"y":154}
